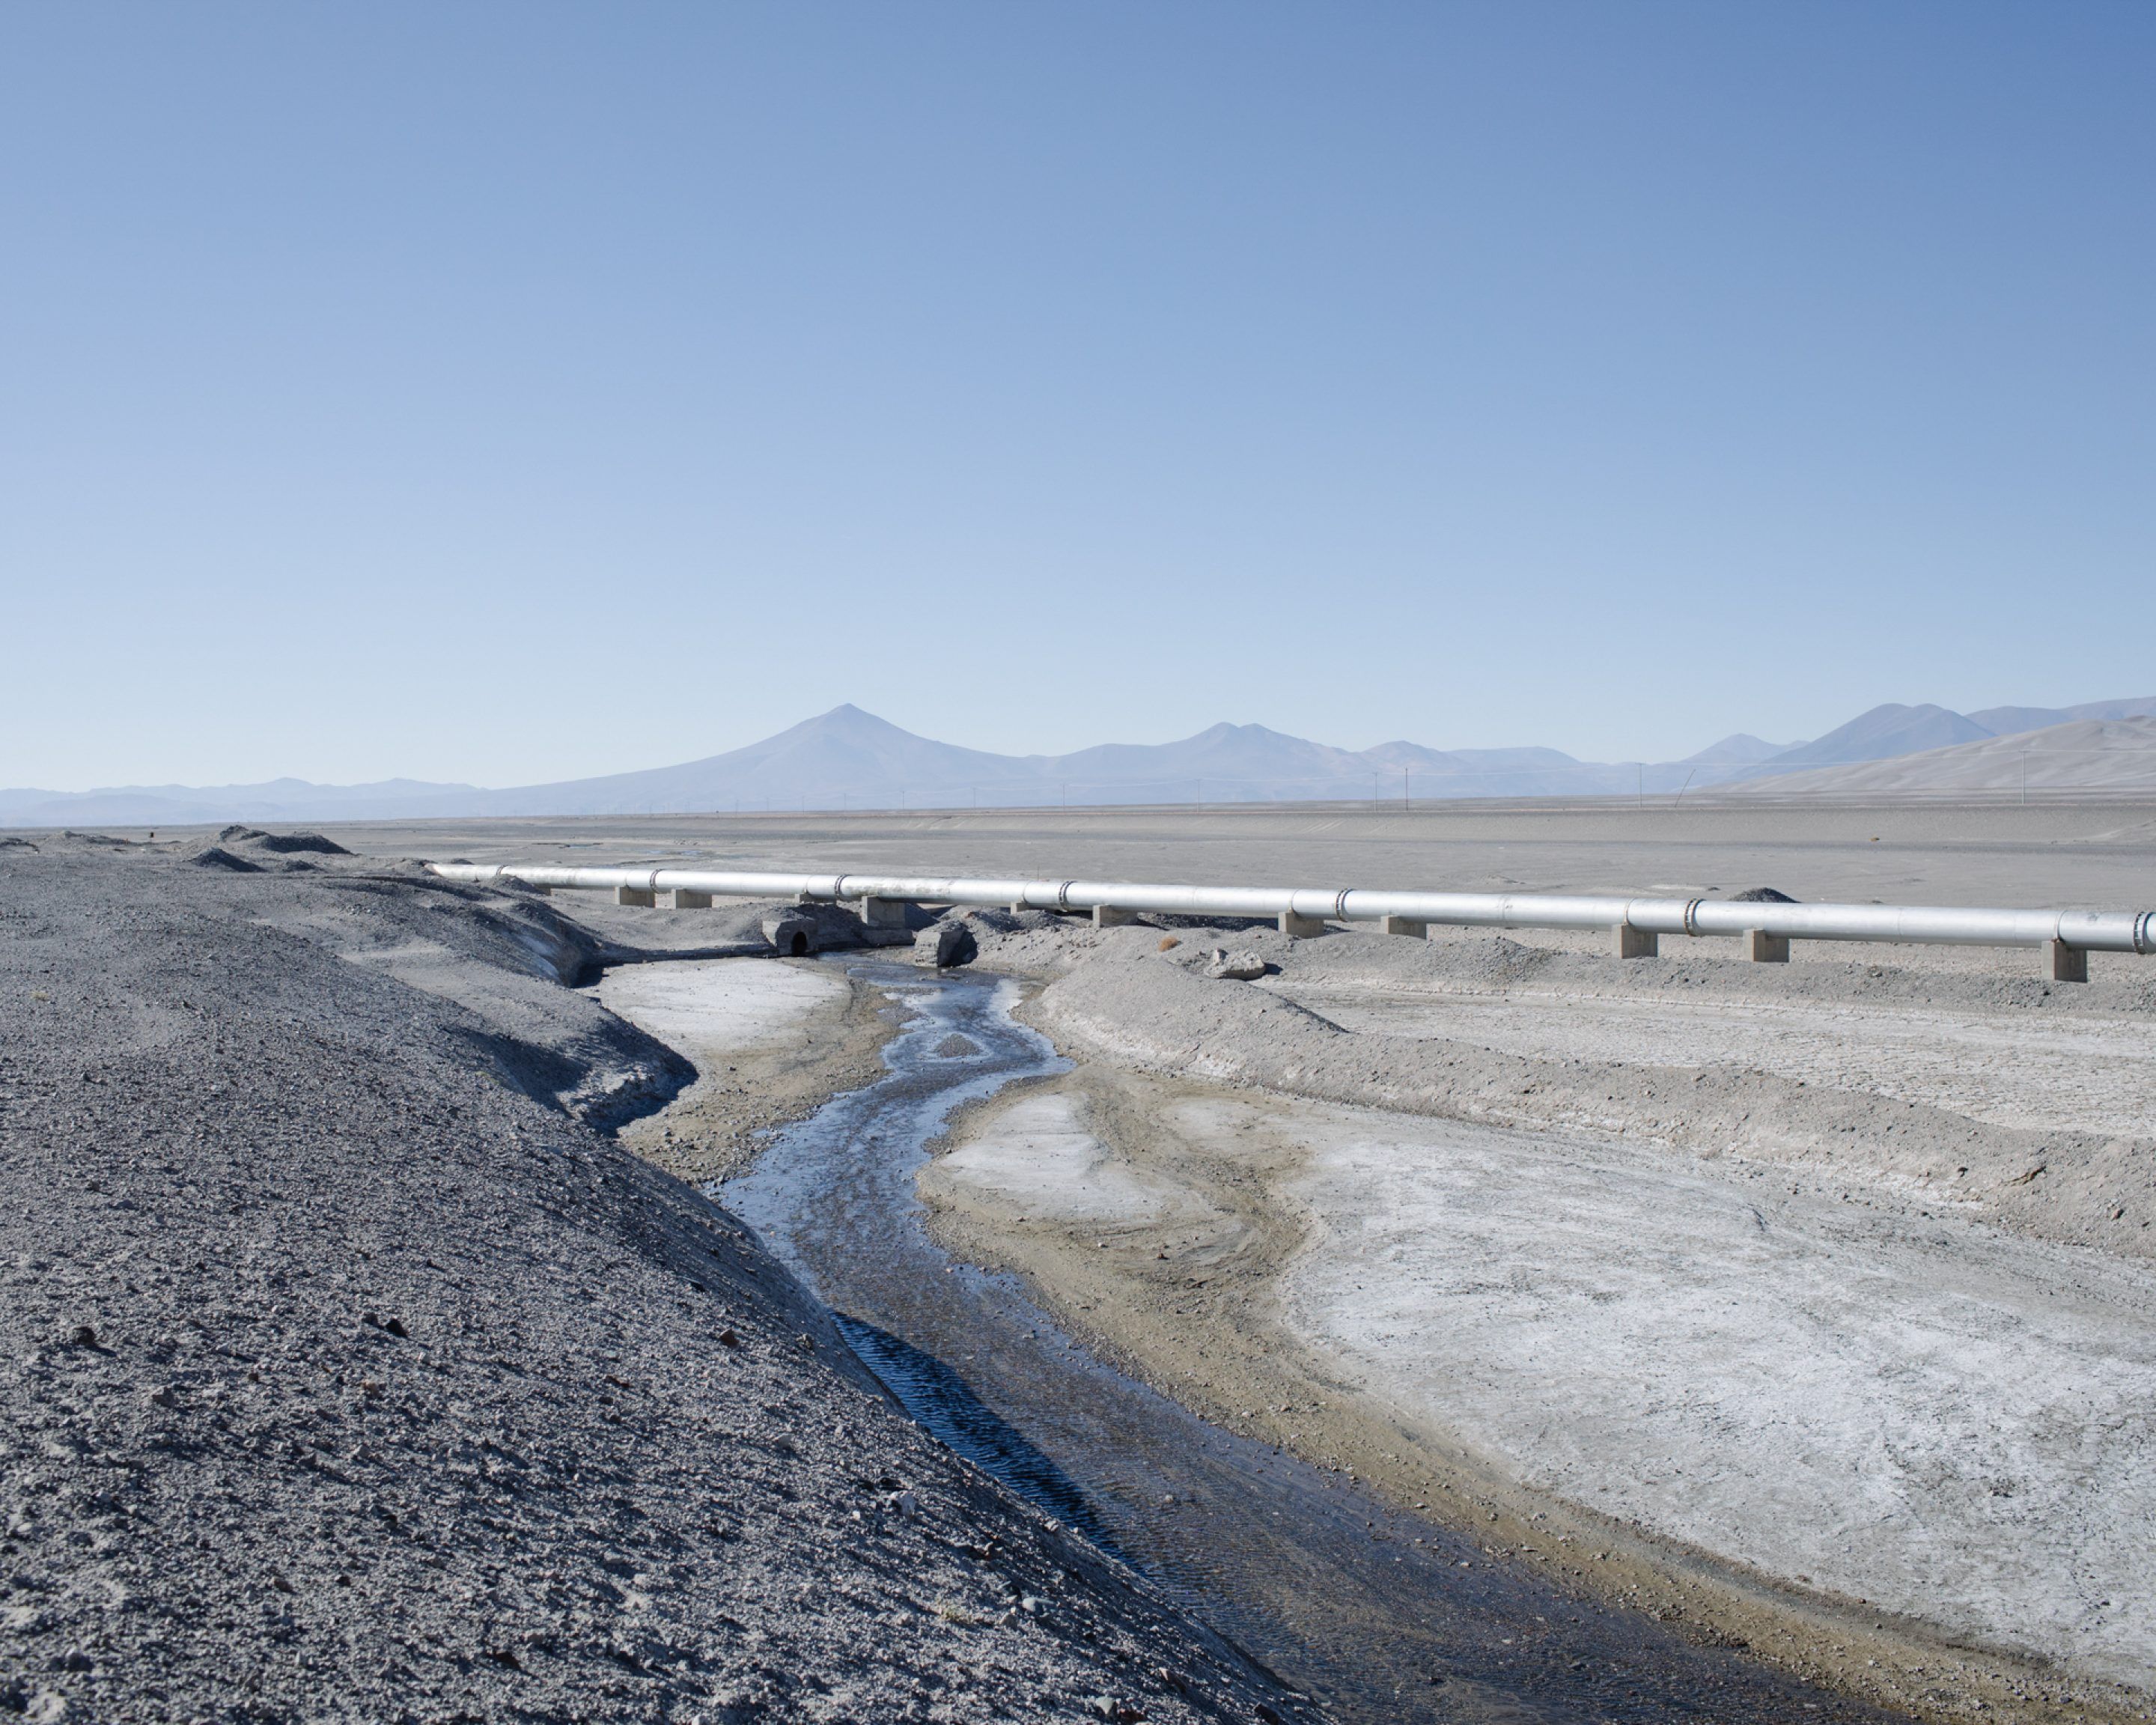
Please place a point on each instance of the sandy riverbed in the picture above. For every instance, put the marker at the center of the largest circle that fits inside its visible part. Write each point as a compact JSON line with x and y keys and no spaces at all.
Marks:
{"x":1923,"y":1387}
{"x":1826,"y":1391}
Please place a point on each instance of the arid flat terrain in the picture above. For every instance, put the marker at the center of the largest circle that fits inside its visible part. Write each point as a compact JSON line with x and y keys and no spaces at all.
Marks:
{"x":1803,"y":1308}
{"x":1815,"y":1296}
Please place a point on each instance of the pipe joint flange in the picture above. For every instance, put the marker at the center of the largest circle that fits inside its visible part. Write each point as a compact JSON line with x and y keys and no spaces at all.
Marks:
{"x":1692,"y":915}
{"x":1340,"y":904}
{"x":1063,"y":895}
{"x":2144,"y":933}
{"x":839,"y":889}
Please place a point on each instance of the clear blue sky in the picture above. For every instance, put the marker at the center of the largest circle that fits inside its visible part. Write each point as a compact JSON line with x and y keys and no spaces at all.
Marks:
{"x":502,"y":392}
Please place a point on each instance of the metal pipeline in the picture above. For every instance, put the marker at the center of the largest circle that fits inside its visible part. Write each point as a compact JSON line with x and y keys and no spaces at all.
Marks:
{"x":2088,"y":931}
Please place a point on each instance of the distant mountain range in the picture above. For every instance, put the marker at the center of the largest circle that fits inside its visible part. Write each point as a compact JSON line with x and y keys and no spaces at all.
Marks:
{"x":2109,"y":757}
{"x":848,"y":758}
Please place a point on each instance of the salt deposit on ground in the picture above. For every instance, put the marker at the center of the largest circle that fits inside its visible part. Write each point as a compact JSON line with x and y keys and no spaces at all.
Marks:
{"x":1926,"y":1419}
{"x":1939,"y":1419}
{"x":722,"y":1003}
{"x":769,"y":1040}
{"x":1038,"y":1158}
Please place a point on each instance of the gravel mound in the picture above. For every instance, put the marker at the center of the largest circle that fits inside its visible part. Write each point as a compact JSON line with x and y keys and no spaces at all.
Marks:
{"x":350,"y":1370}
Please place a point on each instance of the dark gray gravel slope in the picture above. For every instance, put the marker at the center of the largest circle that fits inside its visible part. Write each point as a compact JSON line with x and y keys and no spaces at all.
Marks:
{"x":349,"y":1371}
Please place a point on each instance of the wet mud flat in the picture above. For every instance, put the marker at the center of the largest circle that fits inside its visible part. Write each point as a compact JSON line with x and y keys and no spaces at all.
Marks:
{"x":1373,"y":1612}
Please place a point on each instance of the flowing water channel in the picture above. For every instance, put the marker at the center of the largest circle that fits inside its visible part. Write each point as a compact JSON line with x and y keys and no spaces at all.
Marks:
{"x":1375,"y":1615}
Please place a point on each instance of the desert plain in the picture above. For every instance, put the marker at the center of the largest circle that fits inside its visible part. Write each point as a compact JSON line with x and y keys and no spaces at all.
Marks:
{"x":1803,"y":1311}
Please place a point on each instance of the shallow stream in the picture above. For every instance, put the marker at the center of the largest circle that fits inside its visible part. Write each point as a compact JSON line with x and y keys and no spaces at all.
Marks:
{"x":1376,"y":1614}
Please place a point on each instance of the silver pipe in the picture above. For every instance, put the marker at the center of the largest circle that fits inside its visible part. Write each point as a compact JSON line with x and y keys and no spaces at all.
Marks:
{"x":2092,"y":931}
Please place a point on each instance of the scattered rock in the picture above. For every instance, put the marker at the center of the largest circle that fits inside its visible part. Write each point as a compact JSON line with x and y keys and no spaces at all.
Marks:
{"x":1243,"y":966}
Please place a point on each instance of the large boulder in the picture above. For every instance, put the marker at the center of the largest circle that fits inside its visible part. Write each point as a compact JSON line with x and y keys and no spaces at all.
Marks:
{"x":1242,"y":967}
{"x":946,"y":945}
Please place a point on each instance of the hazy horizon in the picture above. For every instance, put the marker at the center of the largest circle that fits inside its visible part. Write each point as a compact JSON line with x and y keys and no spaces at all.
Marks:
{"x":847,"y":757}
{"x":503,"y":395}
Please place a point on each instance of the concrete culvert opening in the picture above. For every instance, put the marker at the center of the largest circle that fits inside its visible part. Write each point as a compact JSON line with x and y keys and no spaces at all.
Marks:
{"x":793,"y":934}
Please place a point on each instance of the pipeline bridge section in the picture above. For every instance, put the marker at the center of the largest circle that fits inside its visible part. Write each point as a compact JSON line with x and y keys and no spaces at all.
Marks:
{"x":1763,"y":928}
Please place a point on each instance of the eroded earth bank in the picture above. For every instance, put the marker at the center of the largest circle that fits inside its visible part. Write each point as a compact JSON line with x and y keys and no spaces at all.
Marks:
{"x":1807,"y":1308}
{"x":352,"y":1368}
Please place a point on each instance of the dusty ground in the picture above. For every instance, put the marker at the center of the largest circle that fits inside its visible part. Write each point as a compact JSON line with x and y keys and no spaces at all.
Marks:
{"x":1805,"y":1305}
{"x":2094,"y":855}
{"x":350,"y":1368}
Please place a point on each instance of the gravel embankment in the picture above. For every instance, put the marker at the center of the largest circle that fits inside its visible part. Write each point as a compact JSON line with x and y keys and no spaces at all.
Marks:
{"x":349,"y":1369}
{"x":1138,"y":1007}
